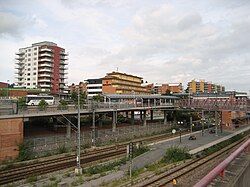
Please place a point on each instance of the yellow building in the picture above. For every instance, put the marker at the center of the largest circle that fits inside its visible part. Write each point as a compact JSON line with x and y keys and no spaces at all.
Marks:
{"x":122,"y":83}
{"x":202,"y":86}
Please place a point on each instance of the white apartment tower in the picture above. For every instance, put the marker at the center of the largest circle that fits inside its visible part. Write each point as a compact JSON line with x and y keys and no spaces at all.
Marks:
{"x":42,"y":65}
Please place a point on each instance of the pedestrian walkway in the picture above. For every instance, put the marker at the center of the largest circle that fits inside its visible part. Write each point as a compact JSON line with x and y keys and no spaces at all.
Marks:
{"x":158,"y":149}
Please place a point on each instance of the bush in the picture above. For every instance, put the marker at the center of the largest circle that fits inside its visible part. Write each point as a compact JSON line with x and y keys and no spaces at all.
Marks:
{"x":42,"y":104}
{"x":21,"y":103}
{"x":25,"y":152}
{"x":176,"y":154}
{"x":63,"y":105}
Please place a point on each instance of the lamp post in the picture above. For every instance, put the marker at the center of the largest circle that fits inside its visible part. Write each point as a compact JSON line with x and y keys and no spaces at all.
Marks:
{"x":180,"y":123}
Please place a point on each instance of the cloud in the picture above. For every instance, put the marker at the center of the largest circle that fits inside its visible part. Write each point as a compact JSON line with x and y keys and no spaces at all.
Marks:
{"x":10,"y":24}
{"x":162,"y":42}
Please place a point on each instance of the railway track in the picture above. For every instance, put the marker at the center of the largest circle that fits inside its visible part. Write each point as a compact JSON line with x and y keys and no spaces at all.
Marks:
{"x":50,"y":165}
{"x":178,"y":172}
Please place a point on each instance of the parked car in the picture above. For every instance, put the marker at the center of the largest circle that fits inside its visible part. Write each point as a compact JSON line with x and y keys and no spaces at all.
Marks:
{"x":192,"y":137}
{"x":212,"y":131}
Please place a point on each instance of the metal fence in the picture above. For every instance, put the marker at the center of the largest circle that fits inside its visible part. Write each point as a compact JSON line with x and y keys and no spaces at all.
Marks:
{"x":103,"y":137}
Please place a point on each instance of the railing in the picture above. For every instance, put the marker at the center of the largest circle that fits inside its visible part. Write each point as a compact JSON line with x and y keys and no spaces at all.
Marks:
{"x":222,"y":166}
{"x":88,"y":107}
{"x":215,"y":104}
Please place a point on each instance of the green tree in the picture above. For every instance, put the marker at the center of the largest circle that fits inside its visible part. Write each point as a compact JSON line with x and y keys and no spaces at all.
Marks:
{"x":21,"y":103}
{"x":98,"y":98}
{"x":74,"y":97}
{"x":42,"y":104}
{"x":63,"y":105}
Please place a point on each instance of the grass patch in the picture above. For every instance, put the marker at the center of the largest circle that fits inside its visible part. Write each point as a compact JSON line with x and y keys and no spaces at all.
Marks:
{"x":140,"y":150}
{"x":52,"y":178}
{"x":78,"y":181}
{"x":176,"y":154}
{"x":221,"y":145}
{"x":31,"y":179}
{"x":104,"y":168}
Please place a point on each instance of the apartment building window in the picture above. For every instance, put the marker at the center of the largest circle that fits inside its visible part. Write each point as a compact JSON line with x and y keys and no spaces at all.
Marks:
{"x":28,"y":74}
{"x":28,"y":69}
{"x":35,"y":58}
{"x":34,"y":83}
{"x":35,"y":53}
{"x":35,"y":63}
{"x":34,"y":69}
{"x":28,"y":84}
{"x":34,"y":73}
{"x":35,"y":49}
{"x":34,"y":79}
{"x":28,"y":59}
{"x":28,"y":79}
{"x":29,"y":49}
{"x":29,"y":54}
{"x":29,"y":64}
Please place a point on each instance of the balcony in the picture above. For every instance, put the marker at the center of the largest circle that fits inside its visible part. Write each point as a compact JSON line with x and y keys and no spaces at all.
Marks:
{"x":63,"y":53}
{"x":45,"y":85}
{"x":19,"y":67}
{"x":63,"y":72}
{"x":44,"y":70}
{"x":64,"y":62}
{"x":63,"y":82}
{"x":45,"y":65}
{"x":63,"y":68}
{"x":44,"y":80}
{"x":20,"y":53}
{"x":44,"y":75}
{"x":45,"y":49}
{"x":63,"y":58}
{"x":20,"y":58}
{"x":45,"y":55}
{"x":63,"y":77}
{"x":45,"y":59}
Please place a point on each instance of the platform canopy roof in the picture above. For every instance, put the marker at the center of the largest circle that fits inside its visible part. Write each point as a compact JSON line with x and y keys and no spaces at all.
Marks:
{"x":139,"y":96}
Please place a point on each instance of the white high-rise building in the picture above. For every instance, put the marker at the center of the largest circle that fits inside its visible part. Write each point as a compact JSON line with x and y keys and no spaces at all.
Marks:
{"x":42,"y":65}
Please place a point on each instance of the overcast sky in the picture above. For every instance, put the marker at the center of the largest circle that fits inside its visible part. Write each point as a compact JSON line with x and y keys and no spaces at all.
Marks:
{"x":162,"y":41}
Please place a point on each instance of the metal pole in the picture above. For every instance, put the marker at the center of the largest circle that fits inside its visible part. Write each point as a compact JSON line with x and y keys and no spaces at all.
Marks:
{"x":93,"y":129}
{"x":78,"y":170}
{"x":216,"y":123}
{"x":8,"y":88}
{"x":191,"y":124}
{"x":202,"y":121}
{"x":180,"y":135}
